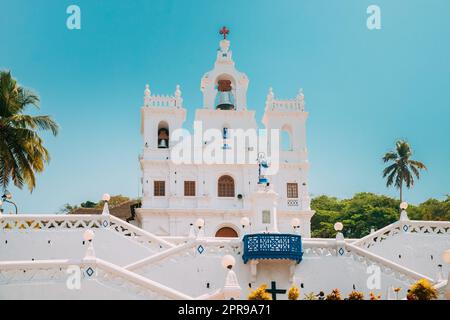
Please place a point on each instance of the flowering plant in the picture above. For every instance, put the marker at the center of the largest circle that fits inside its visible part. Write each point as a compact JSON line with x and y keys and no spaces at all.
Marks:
{"x":260,"y":294}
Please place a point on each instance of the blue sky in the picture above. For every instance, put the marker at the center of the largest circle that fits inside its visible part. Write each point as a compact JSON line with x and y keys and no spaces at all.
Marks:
{"x":364,"y":89}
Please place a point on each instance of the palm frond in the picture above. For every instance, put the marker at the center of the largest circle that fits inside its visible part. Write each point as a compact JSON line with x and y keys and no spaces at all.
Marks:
{"x":390,"y":178}
{"x":390,"y":156}
{"x":388,"y":169}
{"x":403,"y":149}
{"x":22,"y":151}
{"x":38,"y":122}
{"x":417,"y":164}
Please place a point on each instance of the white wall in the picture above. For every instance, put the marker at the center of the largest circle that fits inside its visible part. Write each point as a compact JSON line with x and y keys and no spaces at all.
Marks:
{"x":420,"y":252}
{"x":64,"y":244}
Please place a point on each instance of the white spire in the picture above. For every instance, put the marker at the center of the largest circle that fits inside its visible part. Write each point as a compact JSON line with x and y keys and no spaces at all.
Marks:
{"x":105,"y":209}
{"x":178,"y":99}
{"x":178,"y":91}
{"x":147,"y":95}
{"x":270,"y":94}
{"x":300,"y":95}
{"x":231,"y":289}
{"x":224,"y":54}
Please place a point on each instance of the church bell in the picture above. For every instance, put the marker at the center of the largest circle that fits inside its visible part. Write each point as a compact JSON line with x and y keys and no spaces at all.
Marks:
{"x":163,"y":138}
{"x":225,"y":100}
{"x":162,"y":144}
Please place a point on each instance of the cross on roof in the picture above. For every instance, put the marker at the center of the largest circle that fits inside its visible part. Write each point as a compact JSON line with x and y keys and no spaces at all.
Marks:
{"x":224,"y":31}
{"x":274,"y":291}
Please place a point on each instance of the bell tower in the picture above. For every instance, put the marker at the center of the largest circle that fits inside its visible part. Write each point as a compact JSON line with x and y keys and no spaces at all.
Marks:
{"x":160,"y":116}
{"x":224,"y":87}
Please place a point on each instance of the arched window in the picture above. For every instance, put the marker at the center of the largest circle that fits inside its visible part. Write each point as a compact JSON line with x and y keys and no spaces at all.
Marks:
{"x":163,"y":135}
{"x":286,"y":138}
{"x":225,"y":186}
{"x":226,"y":232}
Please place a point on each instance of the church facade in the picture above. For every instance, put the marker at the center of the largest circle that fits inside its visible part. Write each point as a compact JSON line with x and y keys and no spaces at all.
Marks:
{"x":222,"y":193}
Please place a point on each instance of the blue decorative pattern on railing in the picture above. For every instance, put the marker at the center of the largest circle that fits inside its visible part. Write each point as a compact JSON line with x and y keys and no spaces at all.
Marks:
{"x":272,"y":246}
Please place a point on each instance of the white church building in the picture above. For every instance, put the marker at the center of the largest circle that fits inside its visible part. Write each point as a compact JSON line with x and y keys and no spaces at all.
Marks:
{"x":175,"y":195}
{"x":224,"y":209}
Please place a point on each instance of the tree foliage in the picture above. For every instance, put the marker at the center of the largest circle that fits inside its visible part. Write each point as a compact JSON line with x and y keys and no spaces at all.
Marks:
{"x":401,"y":169}
{"x":22,"y":151}
{"x":114,"y":201}
{"x":365,"y":211}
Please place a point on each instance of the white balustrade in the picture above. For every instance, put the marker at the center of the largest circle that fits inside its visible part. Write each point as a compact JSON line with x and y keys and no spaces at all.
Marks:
{"x":399,"y":227}
{"x":10,"y":223}
{"x":50,"y":222}
{"x":137,"y":234}
{"x":191,"y":248}
{"x":286,"y":105}
{"x":23,"y":272}
{"x":162,"y":101}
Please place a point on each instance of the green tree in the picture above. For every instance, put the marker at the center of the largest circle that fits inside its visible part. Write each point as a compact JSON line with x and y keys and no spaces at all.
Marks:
{"x":67,"y":208}
{"x":22,"y":152}
{"x":403,"y":169}
{"x":365,"y":211}
{"x":88,"y":204}
{"x":114,"y":201}
{"x":433,"y":209}
{"x":359,"y":214}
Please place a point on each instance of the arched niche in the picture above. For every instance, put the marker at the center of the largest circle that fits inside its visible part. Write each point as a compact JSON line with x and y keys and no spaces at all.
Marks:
{"x":225,"y":90}
{"x":286,"y":143}
{"x":163,"y":135}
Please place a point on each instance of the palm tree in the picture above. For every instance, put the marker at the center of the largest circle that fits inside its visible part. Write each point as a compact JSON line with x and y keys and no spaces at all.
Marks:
{"x":403,"y":169}
{"x":22,"y":153}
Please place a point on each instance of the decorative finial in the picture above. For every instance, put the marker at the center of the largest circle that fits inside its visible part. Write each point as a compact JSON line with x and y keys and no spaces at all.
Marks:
{"x":300,"y":95}
{"x":270,"y":95}
{"x":178,"y":91}
{"x":224,"y":31}
{"x":147,"y":95}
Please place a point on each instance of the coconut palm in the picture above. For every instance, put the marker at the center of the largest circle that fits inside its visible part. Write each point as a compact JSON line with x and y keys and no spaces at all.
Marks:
{"x":403,"y":169}
{"x":22,"y":153}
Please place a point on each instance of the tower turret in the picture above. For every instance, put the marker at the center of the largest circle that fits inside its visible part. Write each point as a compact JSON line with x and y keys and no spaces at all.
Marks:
{"x":224,"y":87}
